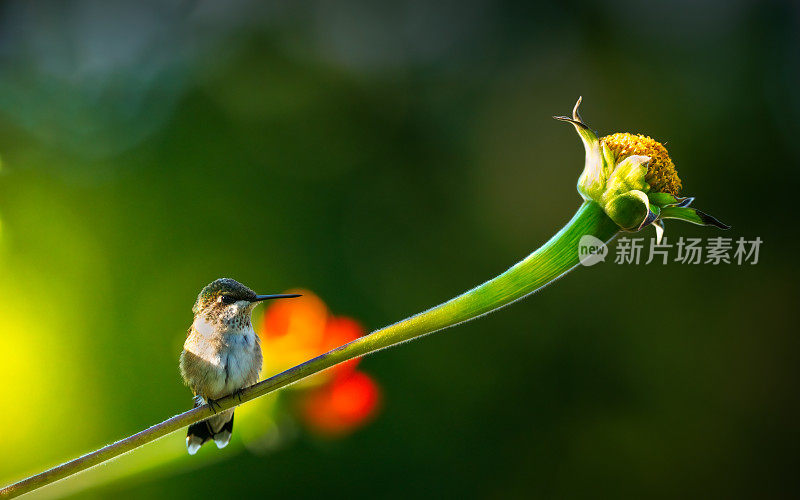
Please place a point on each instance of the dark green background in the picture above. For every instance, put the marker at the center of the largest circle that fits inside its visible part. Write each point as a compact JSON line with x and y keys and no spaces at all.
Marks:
{"x":388,"y":156}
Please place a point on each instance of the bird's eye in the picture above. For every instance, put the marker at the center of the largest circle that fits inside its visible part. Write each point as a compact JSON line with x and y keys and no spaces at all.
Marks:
{"x":227,"y":299}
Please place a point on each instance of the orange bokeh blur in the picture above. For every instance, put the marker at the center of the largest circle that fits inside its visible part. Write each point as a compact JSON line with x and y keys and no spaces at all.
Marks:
{"x":349,"y":401}
{"x":293,"y":331}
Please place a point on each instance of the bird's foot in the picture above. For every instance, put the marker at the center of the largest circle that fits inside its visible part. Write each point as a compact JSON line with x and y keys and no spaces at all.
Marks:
{"x":238,"y":394}
{"x":211,"y":403}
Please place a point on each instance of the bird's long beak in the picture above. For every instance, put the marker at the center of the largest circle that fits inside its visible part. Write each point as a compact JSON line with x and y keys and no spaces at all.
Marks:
{"x":259,"y":298}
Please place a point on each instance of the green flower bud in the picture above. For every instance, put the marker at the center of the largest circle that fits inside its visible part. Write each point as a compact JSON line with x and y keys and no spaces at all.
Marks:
{"x":633,"y":179}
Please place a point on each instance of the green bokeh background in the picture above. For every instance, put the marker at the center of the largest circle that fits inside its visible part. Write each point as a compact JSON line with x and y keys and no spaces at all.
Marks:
{"x":389,"y":156}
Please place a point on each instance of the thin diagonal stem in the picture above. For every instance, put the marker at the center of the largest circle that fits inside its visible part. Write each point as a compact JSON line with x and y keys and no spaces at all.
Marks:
{"x":551,"y":261}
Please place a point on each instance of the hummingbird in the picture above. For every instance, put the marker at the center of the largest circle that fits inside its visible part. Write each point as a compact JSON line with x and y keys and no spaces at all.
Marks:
{"x":221,"y":355}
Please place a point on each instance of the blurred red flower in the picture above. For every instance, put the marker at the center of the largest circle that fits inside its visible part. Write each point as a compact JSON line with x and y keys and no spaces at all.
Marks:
{"x":292,"y":331}
{"x":348,"y":402}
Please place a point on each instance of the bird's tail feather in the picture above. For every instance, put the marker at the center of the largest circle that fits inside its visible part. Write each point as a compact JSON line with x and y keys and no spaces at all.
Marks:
{"x":219,"y":428}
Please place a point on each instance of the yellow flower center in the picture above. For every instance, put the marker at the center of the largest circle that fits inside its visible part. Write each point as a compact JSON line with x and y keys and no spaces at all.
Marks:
{"x":661,"y":174}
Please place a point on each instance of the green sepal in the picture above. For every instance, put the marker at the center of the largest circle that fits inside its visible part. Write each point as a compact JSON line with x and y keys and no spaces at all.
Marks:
{"x":668,"y":200}
{"x":630,"y":210}
{"x":628,"y":176}
{"x":656,"y":210}
{"x":692,"y":215}
{"x":599,"y":159}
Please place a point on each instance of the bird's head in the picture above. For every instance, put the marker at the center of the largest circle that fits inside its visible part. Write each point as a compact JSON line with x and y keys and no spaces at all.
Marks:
{"x":226,"y":300}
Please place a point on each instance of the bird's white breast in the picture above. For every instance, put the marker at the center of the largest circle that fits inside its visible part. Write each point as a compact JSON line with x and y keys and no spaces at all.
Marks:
{"x":232,"y":357}
{"x":240,"y":358}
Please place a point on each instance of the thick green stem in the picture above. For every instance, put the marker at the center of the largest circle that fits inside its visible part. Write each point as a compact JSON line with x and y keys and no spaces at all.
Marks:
{"x":551,"y":261}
